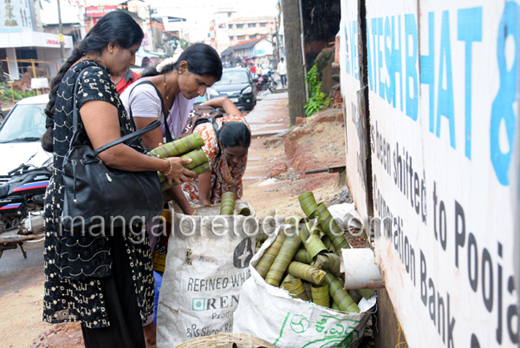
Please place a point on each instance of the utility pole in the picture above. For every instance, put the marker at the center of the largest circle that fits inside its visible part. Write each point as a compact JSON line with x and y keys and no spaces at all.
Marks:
{"x":277,"y":50}
{"x":295,"y":65}
{"x":60,"y":26}
{"x":151,"y":29}
{"x":81,"y":18}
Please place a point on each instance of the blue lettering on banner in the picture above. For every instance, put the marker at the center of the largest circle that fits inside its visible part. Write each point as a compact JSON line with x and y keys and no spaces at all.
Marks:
{"x":380,"y":57}
{"x":393,"y":62}
{"x":503,"y":105}
{"x":389,"y":57}
{"x":353,"y":45}
{"x":469,"y":30}
{"x":347,"y":50}
{"x":374,"y":42}
{"x":445,"y":105}
{"x":428,"y":68}
{"x":412,"y":103}
{"x":350,"y":31}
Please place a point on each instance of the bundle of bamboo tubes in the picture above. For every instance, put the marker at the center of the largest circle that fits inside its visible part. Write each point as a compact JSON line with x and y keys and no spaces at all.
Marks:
{"x":304,"y":259}
{"x":188,"y":147}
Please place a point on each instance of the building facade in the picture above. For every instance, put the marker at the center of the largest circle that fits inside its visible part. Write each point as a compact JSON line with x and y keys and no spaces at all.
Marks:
{"x":227,"y":29}
{"x":23,"y":41}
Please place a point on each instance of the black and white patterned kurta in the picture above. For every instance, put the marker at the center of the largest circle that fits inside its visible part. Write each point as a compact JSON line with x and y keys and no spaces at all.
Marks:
{"x":75,"y":264}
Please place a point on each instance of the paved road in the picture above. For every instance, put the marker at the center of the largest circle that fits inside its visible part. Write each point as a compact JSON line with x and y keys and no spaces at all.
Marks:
{"x":16,"y":272}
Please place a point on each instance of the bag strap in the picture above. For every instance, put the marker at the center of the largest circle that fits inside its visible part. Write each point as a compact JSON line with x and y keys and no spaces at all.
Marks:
{"x":216,"y":130}
{"x":169,"y":137}
{"x":132,"y":136}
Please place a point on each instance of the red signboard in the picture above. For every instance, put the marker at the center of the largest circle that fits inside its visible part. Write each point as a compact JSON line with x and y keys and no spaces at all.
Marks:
{"x":99,"y":11}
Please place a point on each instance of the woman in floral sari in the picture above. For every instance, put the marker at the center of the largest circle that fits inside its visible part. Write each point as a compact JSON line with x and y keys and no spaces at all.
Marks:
{"x":226,"y":142}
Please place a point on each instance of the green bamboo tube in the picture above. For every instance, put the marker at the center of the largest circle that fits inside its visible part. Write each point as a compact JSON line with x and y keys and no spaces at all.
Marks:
{"x":331,"y":228}
{"x":340,"y":295}
{"x":328,"y":243}
{"x":366,"y":293}
{"x":311,"y":239}
{"x":295,"y":287}
{"x":303,"y":256}
{"x":320,"y":295}
{"x":307,"y":272}
{"x":227,"y":206}
{"x":283,"y":259}
{"x":356,"y":296}
{"x":265,"y":262}
{"x":308,"y":204}
{"x":198,"y":171}
{"x":328,"y":262}
{"x":178,"y":147}
{"x":244,"y":212}
{"x":335,"y":306}
{"x":308,"y":289}
{"x":197,"y":156}
{"x":228,"y":345}
{"x":295,"y":221}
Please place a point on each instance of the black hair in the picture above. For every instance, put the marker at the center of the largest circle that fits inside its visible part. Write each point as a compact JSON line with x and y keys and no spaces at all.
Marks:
{"x":108,"y":29}
{"x":202,"y":59}
{"x":234,"y":134}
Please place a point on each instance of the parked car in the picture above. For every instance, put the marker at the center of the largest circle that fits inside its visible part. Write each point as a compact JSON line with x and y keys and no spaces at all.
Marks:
{"x":20,"y":135}
{"x":238,"y":85}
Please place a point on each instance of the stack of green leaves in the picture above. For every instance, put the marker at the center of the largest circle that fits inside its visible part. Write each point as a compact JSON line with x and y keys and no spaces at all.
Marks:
{"x":188,"y":147}
{"x":306,"y":257}
{"x":227,"y":206}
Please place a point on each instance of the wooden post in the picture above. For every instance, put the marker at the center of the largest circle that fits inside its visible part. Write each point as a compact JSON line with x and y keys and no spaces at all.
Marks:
{"x":295,"y":65}
{"x":34,"y":73}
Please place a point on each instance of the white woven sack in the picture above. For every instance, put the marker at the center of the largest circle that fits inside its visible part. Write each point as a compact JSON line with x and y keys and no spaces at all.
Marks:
{"x":271,"y":314}
{"x":206,"y":266}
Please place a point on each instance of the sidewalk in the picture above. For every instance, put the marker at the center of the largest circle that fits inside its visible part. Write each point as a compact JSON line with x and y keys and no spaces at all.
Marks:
{"x":270,"y":115}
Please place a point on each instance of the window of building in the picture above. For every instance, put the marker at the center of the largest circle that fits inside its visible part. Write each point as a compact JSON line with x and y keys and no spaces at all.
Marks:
{"x":253,"y":36}
{"x":241,"y":37}
{"x":229,"y":14}
{"x":263,"y":24}
{"x":240,"y":26}
{"x":251,"y":25}
{"x":231,"y":37}
{"x":230,"y":26}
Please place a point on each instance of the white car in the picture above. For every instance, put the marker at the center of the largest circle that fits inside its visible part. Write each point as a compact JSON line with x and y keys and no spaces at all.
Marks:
{"x":20,"y":135}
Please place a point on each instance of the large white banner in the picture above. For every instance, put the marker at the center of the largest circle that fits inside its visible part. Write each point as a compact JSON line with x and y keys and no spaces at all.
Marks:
{"x":443,"y":78}
{"x":355,"y":127}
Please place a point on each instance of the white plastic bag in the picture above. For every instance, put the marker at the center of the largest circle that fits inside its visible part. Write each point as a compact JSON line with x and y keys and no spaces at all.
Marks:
{"x":271,"y":314}
{"x":206,"y":265}
{"x":347,"y":217}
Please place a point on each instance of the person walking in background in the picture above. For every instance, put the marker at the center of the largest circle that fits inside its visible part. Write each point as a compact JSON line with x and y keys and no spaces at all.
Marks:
{"x":282,"y":71}
{"x":259,"y":71}
{"x":253,"y":69}
{"x":104,"y":278}
{"x":124,"y":80}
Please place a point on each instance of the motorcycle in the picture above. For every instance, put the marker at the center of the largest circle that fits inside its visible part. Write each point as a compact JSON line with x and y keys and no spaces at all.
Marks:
{"x":266,"y":82}
{"x":21,"y":206}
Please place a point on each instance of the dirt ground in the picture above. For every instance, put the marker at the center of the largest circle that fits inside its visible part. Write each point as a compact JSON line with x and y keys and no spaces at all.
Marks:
{"x":273,"y":181}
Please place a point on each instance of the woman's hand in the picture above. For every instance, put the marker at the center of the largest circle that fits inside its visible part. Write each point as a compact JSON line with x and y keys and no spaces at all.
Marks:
{"x":176,"y":171}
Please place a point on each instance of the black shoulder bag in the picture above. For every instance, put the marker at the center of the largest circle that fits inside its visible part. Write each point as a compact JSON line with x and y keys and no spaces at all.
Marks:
{"x":96,"y":194}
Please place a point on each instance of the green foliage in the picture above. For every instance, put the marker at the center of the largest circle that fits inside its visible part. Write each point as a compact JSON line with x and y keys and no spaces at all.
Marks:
{"x":7,"y":94}
{"x":318,"y":100}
